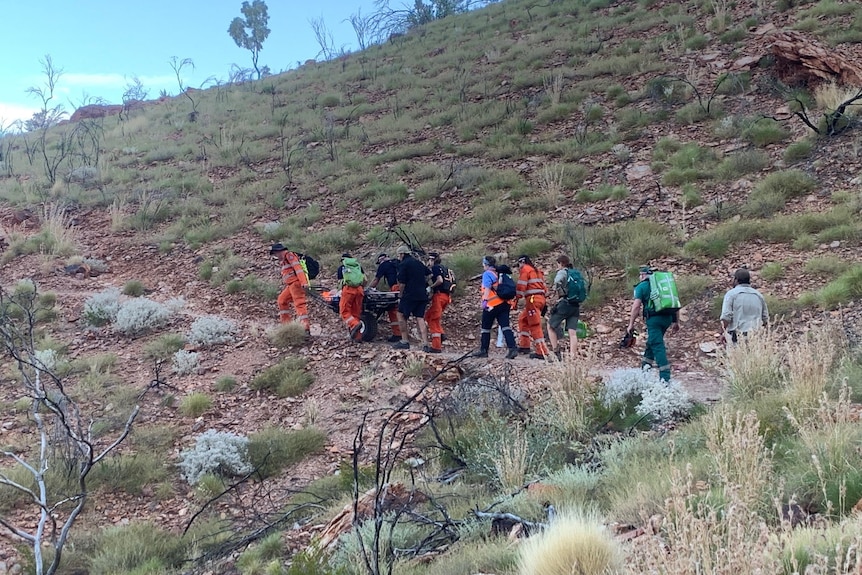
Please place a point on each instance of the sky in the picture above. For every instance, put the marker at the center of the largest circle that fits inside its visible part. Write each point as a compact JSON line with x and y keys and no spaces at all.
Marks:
{"x":100,"y":45}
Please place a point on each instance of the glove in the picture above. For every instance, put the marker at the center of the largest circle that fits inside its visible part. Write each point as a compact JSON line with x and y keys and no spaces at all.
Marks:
{"x":484,"y":304}
{"x":428,"y":290}
{"x":629,"y":339}
{"x":544,"y":310}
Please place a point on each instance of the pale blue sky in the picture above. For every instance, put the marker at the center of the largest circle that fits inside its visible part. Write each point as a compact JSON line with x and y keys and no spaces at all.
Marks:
{"x":102,"y":44}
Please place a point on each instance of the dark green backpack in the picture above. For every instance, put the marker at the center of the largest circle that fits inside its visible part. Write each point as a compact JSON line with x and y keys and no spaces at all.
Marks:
{"x":576,"y":287}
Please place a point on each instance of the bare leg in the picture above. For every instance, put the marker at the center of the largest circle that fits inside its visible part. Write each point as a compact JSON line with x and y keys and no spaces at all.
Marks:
{"x":552,"y":338}
{"x":573,"y":343}
{"x":423,"y":329}
{"x":405,"y":330}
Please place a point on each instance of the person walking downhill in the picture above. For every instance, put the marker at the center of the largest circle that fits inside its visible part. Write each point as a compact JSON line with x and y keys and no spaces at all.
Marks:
{"x":387,"y":269}
{"x":743,"y":309}
{"x":351,"y":279}
{"x":440,"y":300}
{"x":413,"y":279}
{"x":494,"y":309}
{"x":564,"y":311}
{"x":655,"y":353}
{"x":295,"y":281}
{"x":531,"y":287}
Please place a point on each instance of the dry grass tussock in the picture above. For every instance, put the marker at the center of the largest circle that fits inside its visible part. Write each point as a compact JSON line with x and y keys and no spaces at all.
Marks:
{"x":830,"y":96}
{"x":511,"y":463}
{"x":58,"y":231}
{"x":811,"y":360}
{"x":574,"y":544}
{"x":288,"y":335}
{"x":756,"y":365}
{"x":572,"y":389}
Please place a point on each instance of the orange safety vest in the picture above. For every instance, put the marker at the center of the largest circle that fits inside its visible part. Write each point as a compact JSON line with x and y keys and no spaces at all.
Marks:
{"x":292,"y":270}
{"x":530,"y":282}
{"x":489,"y":295}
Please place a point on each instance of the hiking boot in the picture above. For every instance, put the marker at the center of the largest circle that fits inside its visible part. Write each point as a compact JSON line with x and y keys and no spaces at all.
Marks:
{"x":513,"y":353}
{"x":358,"y":328}
{"x":537,"y":356}
{"x":429,"y":349}
{"x":559,"y":355}
{"x":481,"y":353}
{"x":402,"y":345}
{"x":524,"y":350}
{"x":394,"y":338}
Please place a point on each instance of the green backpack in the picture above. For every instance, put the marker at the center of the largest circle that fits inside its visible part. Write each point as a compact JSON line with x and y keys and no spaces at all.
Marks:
{"x":663,"y":295}
{"x":352,"y":272}
{"x":576,"y":287}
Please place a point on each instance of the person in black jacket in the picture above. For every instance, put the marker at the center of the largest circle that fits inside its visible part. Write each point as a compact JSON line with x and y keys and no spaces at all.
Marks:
{"x":413,"y":279}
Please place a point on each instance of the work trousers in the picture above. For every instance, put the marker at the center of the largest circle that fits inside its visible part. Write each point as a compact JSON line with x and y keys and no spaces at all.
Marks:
{"x":293,"y":295}
{"x":655,"y":354}
{"x":530,"y":325}
{"x":434,"y":318}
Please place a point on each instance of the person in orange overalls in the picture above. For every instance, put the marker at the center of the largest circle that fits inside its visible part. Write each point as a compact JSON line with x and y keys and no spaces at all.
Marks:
{"x":440,"y":300}
{"x":531,"y":287}
{"x":295,"y":282}
{"x":350,"y":306}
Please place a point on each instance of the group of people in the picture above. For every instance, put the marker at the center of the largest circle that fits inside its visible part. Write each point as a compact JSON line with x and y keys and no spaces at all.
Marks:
{"x":424,"y":294}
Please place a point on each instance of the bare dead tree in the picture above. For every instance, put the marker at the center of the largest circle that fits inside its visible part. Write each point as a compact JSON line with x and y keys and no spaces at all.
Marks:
{"x":65,"y":435}
{"x":324,"y":38}
{"x":177,"y":66}
{"x":834,"y":122}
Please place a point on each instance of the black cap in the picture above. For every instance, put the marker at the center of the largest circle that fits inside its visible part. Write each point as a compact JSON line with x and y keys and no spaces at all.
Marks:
{"x":346,"y":255}
{"x":382,"y":256}
{"x":277,"y":248}
{"x":434,"y":255}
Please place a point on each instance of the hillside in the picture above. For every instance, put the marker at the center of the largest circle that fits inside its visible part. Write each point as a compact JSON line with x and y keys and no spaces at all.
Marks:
{"x":621,"y":133}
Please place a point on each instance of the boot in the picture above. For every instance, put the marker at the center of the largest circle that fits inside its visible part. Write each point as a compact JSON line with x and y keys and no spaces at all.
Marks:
{"x":513,"y":353}
{"x":481,"y":353}
{"x":485,"y":342}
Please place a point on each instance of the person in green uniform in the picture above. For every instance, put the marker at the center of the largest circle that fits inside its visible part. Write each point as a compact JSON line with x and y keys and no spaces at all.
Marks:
{"x":655,"y":354}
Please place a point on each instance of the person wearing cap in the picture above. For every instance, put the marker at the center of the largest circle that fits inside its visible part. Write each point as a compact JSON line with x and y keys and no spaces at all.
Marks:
{"x":440,"y":300}
{"x":532,"y":289}
{"x":387,"y":270}
{"x":295,"y":282}
{"x":744,"y":308}
{"x":413,"y":282}
{"x":350,"y":304}
{"x":494,"y":309}
{"x":657,"y":324}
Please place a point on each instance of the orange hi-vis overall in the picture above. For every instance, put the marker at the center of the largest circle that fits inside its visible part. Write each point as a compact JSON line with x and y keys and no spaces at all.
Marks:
{"x":392,"y":313}
{"x":434,"y":317}
{"x":295,"y":282}
{"x":531,"y":287}
{"x":350,"y":306}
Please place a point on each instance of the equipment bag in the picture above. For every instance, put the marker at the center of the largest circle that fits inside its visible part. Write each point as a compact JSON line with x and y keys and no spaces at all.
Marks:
{"x":505,"y":287}
{"x":352,"y":272}
{"x":448,"y":285}
{"x":663,"y":295}
{"x":310,"y":265}
{"x":576,"y":287}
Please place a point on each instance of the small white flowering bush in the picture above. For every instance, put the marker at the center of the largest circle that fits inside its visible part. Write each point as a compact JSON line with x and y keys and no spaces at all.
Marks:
{"x":186,"y":362}
{"x":661,"y":399}
{"x":102,"y":308}
{"x":211,"y":330}
{"x":140,"y":315}
{"x":218,"y":452}
{"x":45,"y":359}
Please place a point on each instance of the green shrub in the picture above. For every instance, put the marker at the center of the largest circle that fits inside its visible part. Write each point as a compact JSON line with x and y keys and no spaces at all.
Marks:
{"x":129,"y":473}
{"x":742,"y":163}
{"x":843,"y":289}
{"x":765,"y":131}
{"x":531,"y":247}
{"x":633,"y":243}
{"x":288,"y":334}
{"x":287,"y":378}
{"x":225,"y":383}
{"x":772,"y":271}
{"x":164,"y":346}
{"x":828,"y":266}
{"x":797,"y":151}
{"x":137,"y":547}
{"x":195,"y":404}
{"x":133,"y":288}
{"x":272,"y":449}
{"x":771,"y":193}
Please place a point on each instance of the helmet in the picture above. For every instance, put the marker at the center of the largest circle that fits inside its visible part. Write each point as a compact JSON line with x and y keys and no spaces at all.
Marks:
{"x":277,"y":248}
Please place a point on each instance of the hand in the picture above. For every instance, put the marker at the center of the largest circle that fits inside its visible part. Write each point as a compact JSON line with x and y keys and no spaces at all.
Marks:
{"x":484,"y":304}
{"x":674,"y":327}
{"x":428,"y":290}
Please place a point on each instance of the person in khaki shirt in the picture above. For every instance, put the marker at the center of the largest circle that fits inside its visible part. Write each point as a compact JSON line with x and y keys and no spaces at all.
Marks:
{"x":744,"y":308}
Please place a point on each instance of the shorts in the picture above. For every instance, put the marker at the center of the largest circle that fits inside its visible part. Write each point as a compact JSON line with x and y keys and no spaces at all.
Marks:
{"x":409,"y":308}
{"x":564,"y":312}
